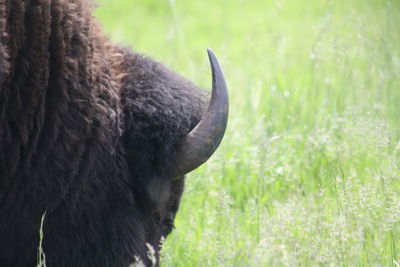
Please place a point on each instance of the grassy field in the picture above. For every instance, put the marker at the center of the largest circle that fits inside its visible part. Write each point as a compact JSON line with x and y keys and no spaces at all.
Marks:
{"x":308,"y":173}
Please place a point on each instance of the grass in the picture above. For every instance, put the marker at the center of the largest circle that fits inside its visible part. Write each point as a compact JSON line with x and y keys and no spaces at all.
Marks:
{"x":308,"y":173}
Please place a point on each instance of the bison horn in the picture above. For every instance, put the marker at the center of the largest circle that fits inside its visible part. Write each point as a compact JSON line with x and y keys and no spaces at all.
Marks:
{"x":198,"y":145}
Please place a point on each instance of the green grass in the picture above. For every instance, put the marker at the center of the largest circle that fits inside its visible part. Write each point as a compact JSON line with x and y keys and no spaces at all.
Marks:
{"x":308,"y":173}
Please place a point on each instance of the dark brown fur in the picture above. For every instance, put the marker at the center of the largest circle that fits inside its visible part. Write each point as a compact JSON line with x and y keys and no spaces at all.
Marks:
{"x":87,"y":134}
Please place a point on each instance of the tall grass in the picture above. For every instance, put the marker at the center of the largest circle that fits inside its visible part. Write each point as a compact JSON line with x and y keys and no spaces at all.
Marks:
{"x":41,"y":257}
{"x":308,"y":173}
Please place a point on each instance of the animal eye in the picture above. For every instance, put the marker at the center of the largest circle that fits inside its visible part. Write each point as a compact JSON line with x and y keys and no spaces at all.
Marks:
{"x":168,"y":226}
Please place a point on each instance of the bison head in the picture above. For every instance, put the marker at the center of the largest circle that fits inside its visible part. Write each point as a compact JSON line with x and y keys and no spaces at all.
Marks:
{"x":168,"y":133}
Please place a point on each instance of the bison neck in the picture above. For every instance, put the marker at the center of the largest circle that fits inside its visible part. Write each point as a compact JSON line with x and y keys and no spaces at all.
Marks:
{"x":59,"y":100}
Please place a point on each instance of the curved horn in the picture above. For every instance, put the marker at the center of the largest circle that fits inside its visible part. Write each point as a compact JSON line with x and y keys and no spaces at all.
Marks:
{"x":198,"y":145}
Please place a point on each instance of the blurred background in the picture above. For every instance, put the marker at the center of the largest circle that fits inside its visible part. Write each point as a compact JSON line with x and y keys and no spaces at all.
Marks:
{"x":308,"y":173}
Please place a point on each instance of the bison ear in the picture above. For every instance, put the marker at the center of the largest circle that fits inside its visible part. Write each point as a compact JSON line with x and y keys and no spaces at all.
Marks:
{"x":199,"y":144}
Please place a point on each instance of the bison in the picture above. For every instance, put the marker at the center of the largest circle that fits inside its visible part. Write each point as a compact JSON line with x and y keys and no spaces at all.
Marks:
{"x":96,"y":136}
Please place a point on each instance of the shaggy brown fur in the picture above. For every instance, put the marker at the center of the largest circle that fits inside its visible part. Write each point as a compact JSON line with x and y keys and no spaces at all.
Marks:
{"x":87,"y":132}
